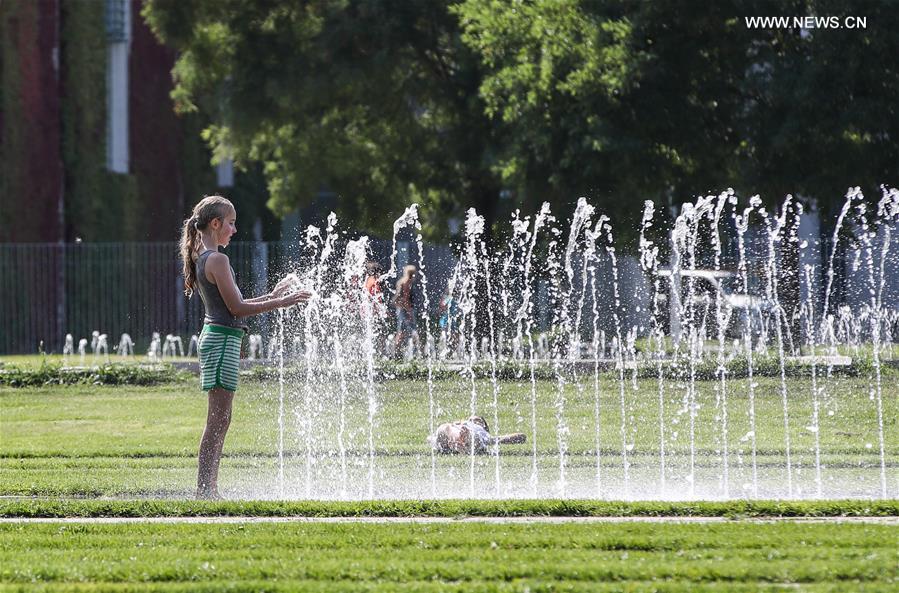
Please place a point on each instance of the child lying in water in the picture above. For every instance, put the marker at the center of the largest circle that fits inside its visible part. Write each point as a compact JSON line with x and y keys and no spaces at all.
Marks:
{"x":467,"y":436}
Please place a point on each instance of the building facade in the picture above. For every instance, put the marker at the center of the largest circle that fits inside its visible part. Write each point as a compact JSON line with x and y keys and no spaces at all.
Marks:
{"x":91,"y":147}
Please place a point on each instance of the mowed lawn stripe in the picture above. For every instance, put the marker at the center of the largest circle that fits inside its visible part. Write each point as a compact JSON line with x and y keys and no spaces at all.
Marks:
{"x":142,"y":441}
{"x":445,"y":556}
{"x":70,"y":508}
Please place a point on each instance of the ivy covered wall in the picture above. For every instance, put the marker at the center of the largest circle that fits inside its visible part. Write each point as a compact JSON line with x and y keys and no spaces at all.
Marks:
{"x":54,"y":184}
{"x":96,"y":201}
{"x":30,"y":165}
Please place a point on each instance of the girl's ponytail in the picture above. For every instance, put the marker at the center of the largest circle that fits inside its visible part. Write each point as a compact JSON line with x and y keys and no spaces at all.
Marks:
{"x":207,"y":210}
{"x":188,"y":247}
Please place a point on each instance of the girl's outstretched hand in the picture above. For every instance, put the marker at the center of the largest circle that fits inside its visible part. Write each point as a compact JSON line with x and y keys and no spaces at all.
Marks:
{"x":285,"y":285}
{"x":300,"y":296}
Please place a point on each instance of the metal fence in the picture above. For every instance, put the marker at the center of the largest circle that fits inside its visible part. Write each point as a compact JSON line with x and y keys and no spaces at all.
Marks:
{"x":50,"y":289}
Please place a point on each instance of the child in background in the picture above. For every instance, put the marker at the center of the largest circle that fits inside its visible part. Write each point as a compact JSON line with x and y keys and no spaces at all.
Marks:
{"x":375,"y":305}
{"x":469,"y":436}
{"x":406,"y":323}
{"x":210,"y":226}
{"x":373,"y":288}
{"x":373,"y":273}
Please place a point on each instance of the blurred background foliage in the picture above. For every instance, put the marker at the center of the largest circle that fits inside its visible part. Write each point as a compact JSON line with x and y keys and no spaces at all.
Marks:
{"x":503,"y":104}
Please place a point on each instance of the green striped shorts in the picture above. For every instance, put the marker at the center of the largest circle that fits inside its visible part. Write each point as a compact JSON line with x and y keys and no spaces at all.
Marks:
{"x":219,"y":349}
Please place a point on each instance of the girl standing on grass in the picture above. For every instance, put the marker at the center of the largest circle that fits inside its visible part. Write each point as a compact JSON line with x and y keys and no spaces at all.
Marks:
{"x":209,"y":227}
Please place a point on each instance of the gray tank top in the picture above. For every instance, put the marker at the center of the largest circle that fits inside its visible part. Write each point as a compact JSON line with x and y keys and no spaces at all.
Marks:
{"x":216,"y":311}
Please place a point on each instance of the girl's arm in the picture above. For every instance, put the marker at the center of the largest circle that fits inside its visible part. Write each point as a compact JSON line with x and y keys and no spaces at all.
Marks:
{"x":261,"y":299}
{"x":218,"y":268}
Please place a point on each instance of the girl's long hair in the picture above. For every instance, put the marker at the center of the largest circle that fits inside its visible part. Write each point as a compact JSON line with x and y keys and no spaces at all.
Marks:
{"x":207,"y":210}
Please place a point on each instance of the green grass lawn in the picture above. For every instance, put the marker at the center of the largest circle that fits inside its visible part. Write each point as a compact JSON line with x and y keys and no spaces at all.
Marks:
{"x":130,"y":452}
{"x":90,"y":440}
{"x":449,"y":557}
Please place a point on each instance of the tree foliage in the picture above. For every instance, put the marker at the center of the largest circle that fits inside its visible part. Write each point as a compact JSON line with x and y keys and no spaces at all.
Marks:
{"x":664,"y":99}
{"x":387,"y":102}
{"x":823,"y":106}
{"x":375,"y":100}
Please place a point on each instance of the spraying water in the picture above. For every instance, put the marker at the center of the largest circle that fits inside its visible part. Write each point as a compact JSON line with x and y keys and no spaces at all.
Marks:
{"x":775,"y":234}
{"x":551,"y":314}
{"x":742,"y":224}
